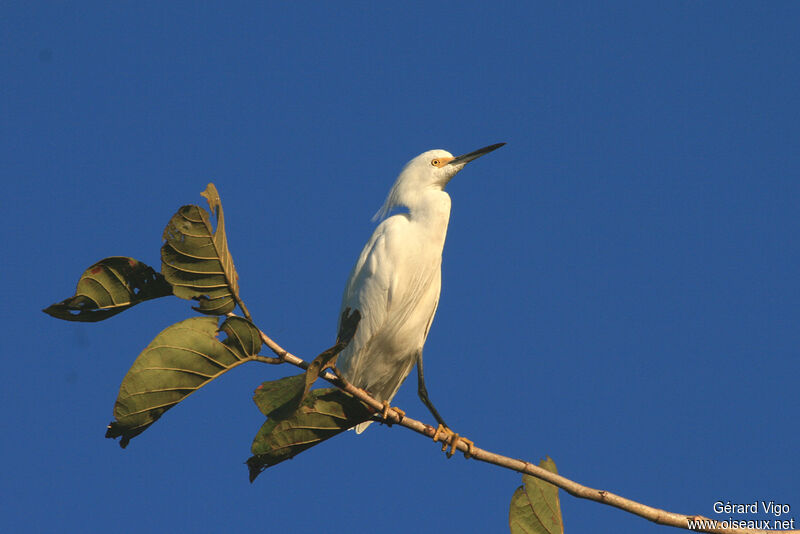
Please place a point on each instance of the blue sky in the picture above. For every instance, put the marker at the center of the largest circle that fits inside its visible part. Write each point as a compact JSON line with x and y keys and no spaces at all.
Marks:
{"x":620,"y":285}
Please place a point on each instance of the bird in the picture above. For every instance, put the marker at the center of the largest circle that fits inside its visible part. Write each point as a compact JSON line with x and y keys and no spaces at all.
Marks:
{"x":396,"y":282}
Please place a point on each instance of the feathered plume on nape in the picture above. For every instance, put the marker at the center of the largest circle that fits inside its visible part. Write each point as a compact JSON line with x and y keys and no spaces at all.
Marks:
{"x":392,"y":199}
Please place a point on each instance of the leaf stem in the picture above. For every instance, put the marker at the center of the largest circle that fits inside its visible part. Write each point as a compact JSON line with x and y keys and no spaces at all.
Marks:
{"x":242,"y":307}
{"x":267,"y":359}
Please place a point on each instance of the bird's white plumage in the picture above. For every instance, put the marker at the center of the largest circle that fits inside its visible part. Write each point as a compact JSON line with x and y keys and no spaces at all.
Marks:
{"x":396,"y":281}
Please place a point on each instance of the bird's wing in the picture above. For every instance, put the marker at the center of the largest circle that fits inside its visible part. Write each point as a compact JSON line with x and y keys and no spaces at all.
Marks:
{"x":369,"y":291}
{"x":437,"y":288}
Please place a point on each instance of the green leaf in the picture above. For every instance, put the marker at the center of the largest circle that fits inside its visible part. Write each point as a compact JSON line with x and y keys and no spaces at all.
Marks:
{"x":180,"y":360}
{"x":323,"y":414}
{"x":535,"y":507}
{"x":195,"y":258}
{"x":108,"y":287}
{"x":279,"y":398}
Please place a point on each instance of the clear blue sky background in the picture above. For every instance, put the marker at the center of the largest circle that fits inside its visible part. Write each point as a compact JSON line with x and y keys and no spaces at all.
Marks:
{"x":620,"y":289}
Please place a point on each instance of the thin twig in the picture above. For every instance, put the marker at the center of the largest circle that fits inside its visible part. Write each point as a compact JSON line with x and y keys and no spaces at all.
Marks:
{"x":242,"y":307}
{"x":656,"y":515}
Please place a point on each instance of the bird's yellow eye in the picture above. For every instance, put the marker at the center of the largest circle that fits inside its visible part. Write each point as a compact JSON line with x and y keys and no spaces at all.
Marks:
{"x":435,"y":163}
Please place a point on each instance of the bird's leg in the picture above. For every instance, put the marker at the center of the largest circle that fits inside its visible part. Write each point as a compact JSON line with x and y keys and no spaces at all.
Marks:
{"x":422,"y":391}
{"x":443,"y":432}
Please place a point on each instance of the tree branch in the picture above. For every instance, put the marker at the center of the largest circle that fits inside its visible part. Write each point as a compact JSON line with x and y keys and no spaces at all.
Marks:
{"x":656,"y":515}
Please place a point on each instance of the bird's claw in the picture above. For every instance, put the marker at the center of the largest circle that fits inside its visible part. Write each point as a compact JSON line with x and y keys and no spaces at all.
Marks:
{"x":451,"y":439}
{"x":385,"y":413}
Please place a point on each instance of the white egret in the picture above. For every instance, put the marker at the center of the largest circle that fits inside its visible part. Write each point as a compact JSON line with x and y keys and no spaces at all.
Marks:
{"x":396,"y":281}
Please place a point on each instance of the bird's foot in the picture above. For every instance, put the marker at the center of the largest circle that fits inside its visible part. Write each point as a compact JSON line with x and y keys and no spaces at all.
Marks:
{"x":385,"y":413}
{"x":451,"y":439}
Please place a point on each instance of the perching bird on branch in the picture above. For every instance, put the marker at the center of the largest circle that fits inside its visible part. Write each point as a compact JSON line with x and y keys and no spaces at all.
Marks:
{"x":396,"y":281}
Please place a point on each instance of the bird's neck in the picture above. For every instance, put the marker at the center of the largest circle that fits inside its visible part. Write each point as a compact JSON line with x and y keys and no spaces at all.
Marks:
{"x":432,"y":210}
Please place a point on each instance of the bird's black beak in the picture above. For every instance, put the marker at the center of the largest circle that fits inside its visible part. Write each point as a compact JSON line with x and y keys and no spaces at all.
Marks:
{"x":466,"y":158}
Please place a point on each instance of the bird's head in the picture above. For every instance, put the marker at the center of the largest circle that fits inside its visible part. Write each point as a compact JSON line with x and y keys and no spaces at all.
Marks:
{"x":431,"y":170}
